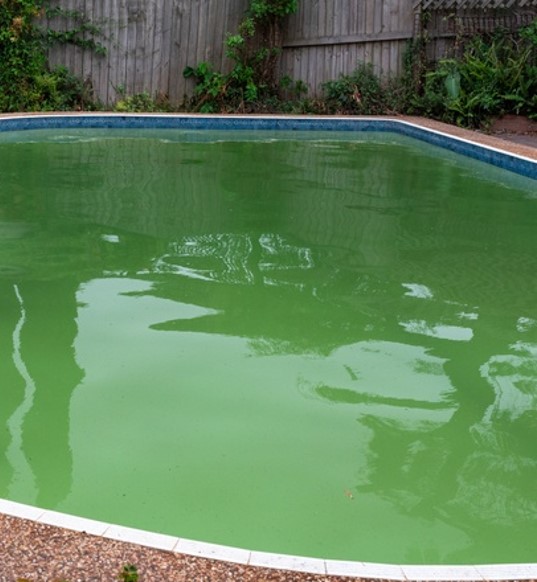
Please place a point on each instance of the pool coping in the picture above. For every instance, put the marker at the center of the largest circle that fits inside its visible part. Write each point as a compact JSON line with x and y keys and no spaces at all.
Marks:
{"x":259,"y":559}
{"x":514,"y":158}
{"x":467,"y":143}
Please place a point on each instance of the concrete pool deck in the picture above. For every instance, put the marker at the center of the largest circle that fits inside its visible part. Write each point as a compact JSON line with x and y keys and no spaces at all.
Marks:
{"x":520,"y":144}
{"x":38,"y":545}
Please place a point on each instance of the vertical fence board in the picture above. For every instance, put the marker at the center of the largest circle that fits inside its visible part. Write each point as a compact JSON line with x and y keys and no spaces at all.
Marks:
{"x":122,"y":54}
{"x":202,"y":41}
{"x":153,"y":41}
{"x":181,"y":56}
{"x":107,"y":92}
{"x":101,"y":65}
{"x":78,"y":56}
{"x":159,"y":43}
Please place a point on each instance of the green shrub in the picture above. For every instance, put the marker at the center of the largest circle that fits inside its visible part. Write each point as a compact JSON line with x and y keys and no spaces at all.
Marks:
{"x":360,"y":93}
{"x":251,"y":85}
{"x":140,"y":102}
{"x":496,"y":75}
{"x":22,"y":54}
{"x":129,"y":573}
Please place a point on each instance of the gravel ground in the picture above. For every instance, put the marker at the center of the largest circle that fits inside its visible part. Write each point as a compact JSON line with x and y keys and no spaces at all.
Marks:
{"x":35,"y":552}
{"x":39,"y":553}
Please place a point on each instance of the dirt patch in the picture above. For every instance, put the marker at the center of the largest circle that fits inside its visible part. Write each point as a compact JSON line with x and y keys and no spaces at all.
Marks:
{"x":514,"y":124}
{"x":515,"y":129}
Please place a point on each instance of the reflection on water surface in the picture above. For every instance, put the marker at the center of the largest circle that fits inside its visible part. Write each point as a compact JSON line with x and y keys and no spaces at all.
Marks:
{"x":313,"y":347}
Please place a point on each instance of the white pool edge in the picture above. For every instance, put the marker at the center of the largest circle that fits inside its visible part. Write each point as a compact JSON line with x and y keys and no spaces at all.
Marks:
{"x":489,"y":572}
{"x":259,"y":559}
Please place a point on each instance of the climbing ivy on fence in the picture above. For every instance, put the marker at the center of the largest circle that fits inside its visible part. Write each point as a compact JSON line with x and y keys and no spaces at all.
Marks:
{"x":84,"y":33}
{"x":254,"y":52}
{"x":26,"y":81}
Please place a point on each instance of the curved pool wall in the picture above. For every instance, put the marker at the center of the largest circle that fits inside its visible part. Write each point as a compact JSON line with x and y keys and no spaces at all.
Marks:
{"x":514,"y":163}
{"x":501,"y":159}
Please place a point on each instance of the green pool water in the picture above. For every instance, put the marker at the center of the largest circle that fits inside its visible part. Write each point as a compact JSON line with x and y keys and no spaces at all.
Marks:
{"x":313,"y":344}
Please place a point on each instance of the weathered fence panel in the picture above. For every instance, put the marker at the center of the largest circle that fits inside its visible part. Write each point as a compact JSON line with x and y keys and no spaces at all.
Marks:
{"x":148,"y":43}
{"x":329,"y":37}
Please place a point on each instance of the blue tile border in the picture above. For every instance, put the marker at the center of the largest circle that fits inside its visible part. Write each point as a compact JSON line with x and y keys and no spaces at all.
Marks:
{"x":501,"y":159}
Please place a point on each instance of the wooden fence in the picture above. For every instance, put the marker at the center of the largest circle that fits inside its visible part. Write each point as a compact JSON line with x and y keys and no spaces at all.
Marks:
{"x":329,"y":37}
{"x":150,"y":42}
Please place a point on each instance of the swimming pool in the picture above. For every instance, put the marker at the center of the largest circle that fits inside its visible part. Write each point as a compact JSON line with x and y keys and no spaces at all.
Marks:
{"x":304,"y":342}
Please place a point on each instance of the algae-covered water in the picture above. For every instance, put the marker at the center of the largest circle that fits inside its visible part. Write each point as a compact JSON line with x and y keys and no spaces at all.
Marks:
{"x":316,"y":344}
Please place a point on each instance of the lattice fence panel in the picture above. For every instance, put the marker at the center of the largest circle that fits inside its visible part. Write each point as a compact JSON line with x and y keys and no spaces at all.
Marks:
{"x":473,"y":4}
{"x":447,"y":20}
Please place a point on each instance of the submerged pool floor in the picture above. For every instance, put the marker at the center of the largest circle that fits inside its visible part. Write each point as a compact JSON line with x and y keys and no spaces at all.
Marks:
{"x":320,"y":346}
